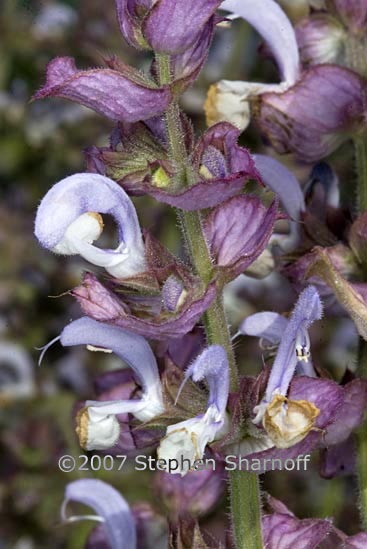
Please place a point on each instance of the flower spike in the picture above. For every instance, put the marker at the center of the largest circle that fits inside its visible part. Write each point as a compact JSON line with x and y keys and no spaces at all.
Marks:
{"x":97,"y":426}
{"x":68,"y":221}
{"x":186,"y":441}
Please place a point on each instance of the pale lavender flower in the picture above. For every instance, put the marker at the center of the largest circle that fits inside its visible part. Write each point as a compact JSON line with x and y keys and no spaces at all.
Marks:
{"x":288,"y":421}
{"x":112,"y":511}
{"x":270,"y":327}
{"x":187,"y":440}
{"x":228,"y":100}
{"x":68,"y":221}
{"x":97,"y":425}
{"x":309,"y":113}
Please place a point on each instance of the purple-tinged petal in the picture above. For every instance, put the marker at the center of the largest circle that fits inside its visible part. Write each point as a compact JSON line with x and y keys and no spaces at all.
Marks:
{"x":114,"y":94}
{"x":238,"y":231}
{"x":323,"y":393}
{"x":226,"y":167}
{"x":321,"y":39}
{"x":313,"y":117}
{"x":187,"y":65}
{"x":285,"y":530}
{"x":110,"y":506}
{"x":276,"y":29}
{"x":326,"y":396}
{"x":182,"y":351}
{"x":205,"y":194}
{"x":195,"y":494}
{"x":339,"y":459}
{"x":281,"y":181}
{"x":359,"y":541}
{"x":266,"y":325}
{"x":172,"y":26}
{"x":282,"y":531}
{"x":68,"y":221}
{"x":353,"y":13}
{"x":218,"y":150}
{"x":91,"y":296}
{"x":129,"y":24}
{"x":351,"y":412}
{"x":307,"y":310}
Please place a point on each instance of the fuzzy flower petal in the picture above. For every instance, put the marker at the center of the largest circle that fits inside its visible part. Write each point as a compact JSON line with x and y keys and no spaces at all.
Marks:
{"x":229,"y":100}
{"x":111,"y":508}
{"x":97,"y":426}
{"x":118,"y":95}
{"x":284,"y":531}
{"x":353,"y":13}
{"x":288,"y":421}
{"x":101,"y":304}
{"x":282,"y":181}
{"x":172,"y":26}
{"x":68,"y":221}
{"x":312,"y":118}
{"x":321,"y":39}
{"x":270,"y":327}
{"x":274,"y":26}
{"x":238,"y":232}
{"x":187,"y":440}
{"x":266,"y":325}
{"x":295,"y":341}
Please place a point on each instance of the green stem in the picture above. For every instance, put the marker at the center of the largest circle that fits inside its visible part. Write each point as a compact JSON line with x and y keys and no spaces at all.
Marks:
{"x":246,"y":508}
{"x":356,"y":49}
{"x":244,"y":487}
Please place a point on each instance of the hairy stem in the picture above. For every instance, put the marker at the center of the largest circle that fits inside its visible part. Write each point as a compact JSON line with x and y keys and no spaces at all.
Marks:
{"x":357,"y":61}
{"x":246,"y":508}
{"x":244,"y":487}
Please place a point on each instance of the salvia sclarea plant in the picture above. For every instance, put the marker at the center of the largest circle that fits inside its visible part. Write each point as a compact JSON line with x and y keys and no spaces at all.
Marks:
{"x":194,"y":404}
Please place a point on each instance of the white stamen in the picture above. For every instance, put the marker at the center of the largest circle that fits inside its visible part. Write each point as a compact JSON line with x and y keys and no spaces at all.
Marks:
{"x":98,"y":349}
{"x":77,"y":518}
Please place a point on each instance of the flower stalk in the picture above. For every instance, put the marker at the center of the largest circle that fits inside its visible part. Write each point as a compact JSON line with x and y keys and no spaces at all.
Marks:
{"x":357,"y":62}
{"x":244,"y":486}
